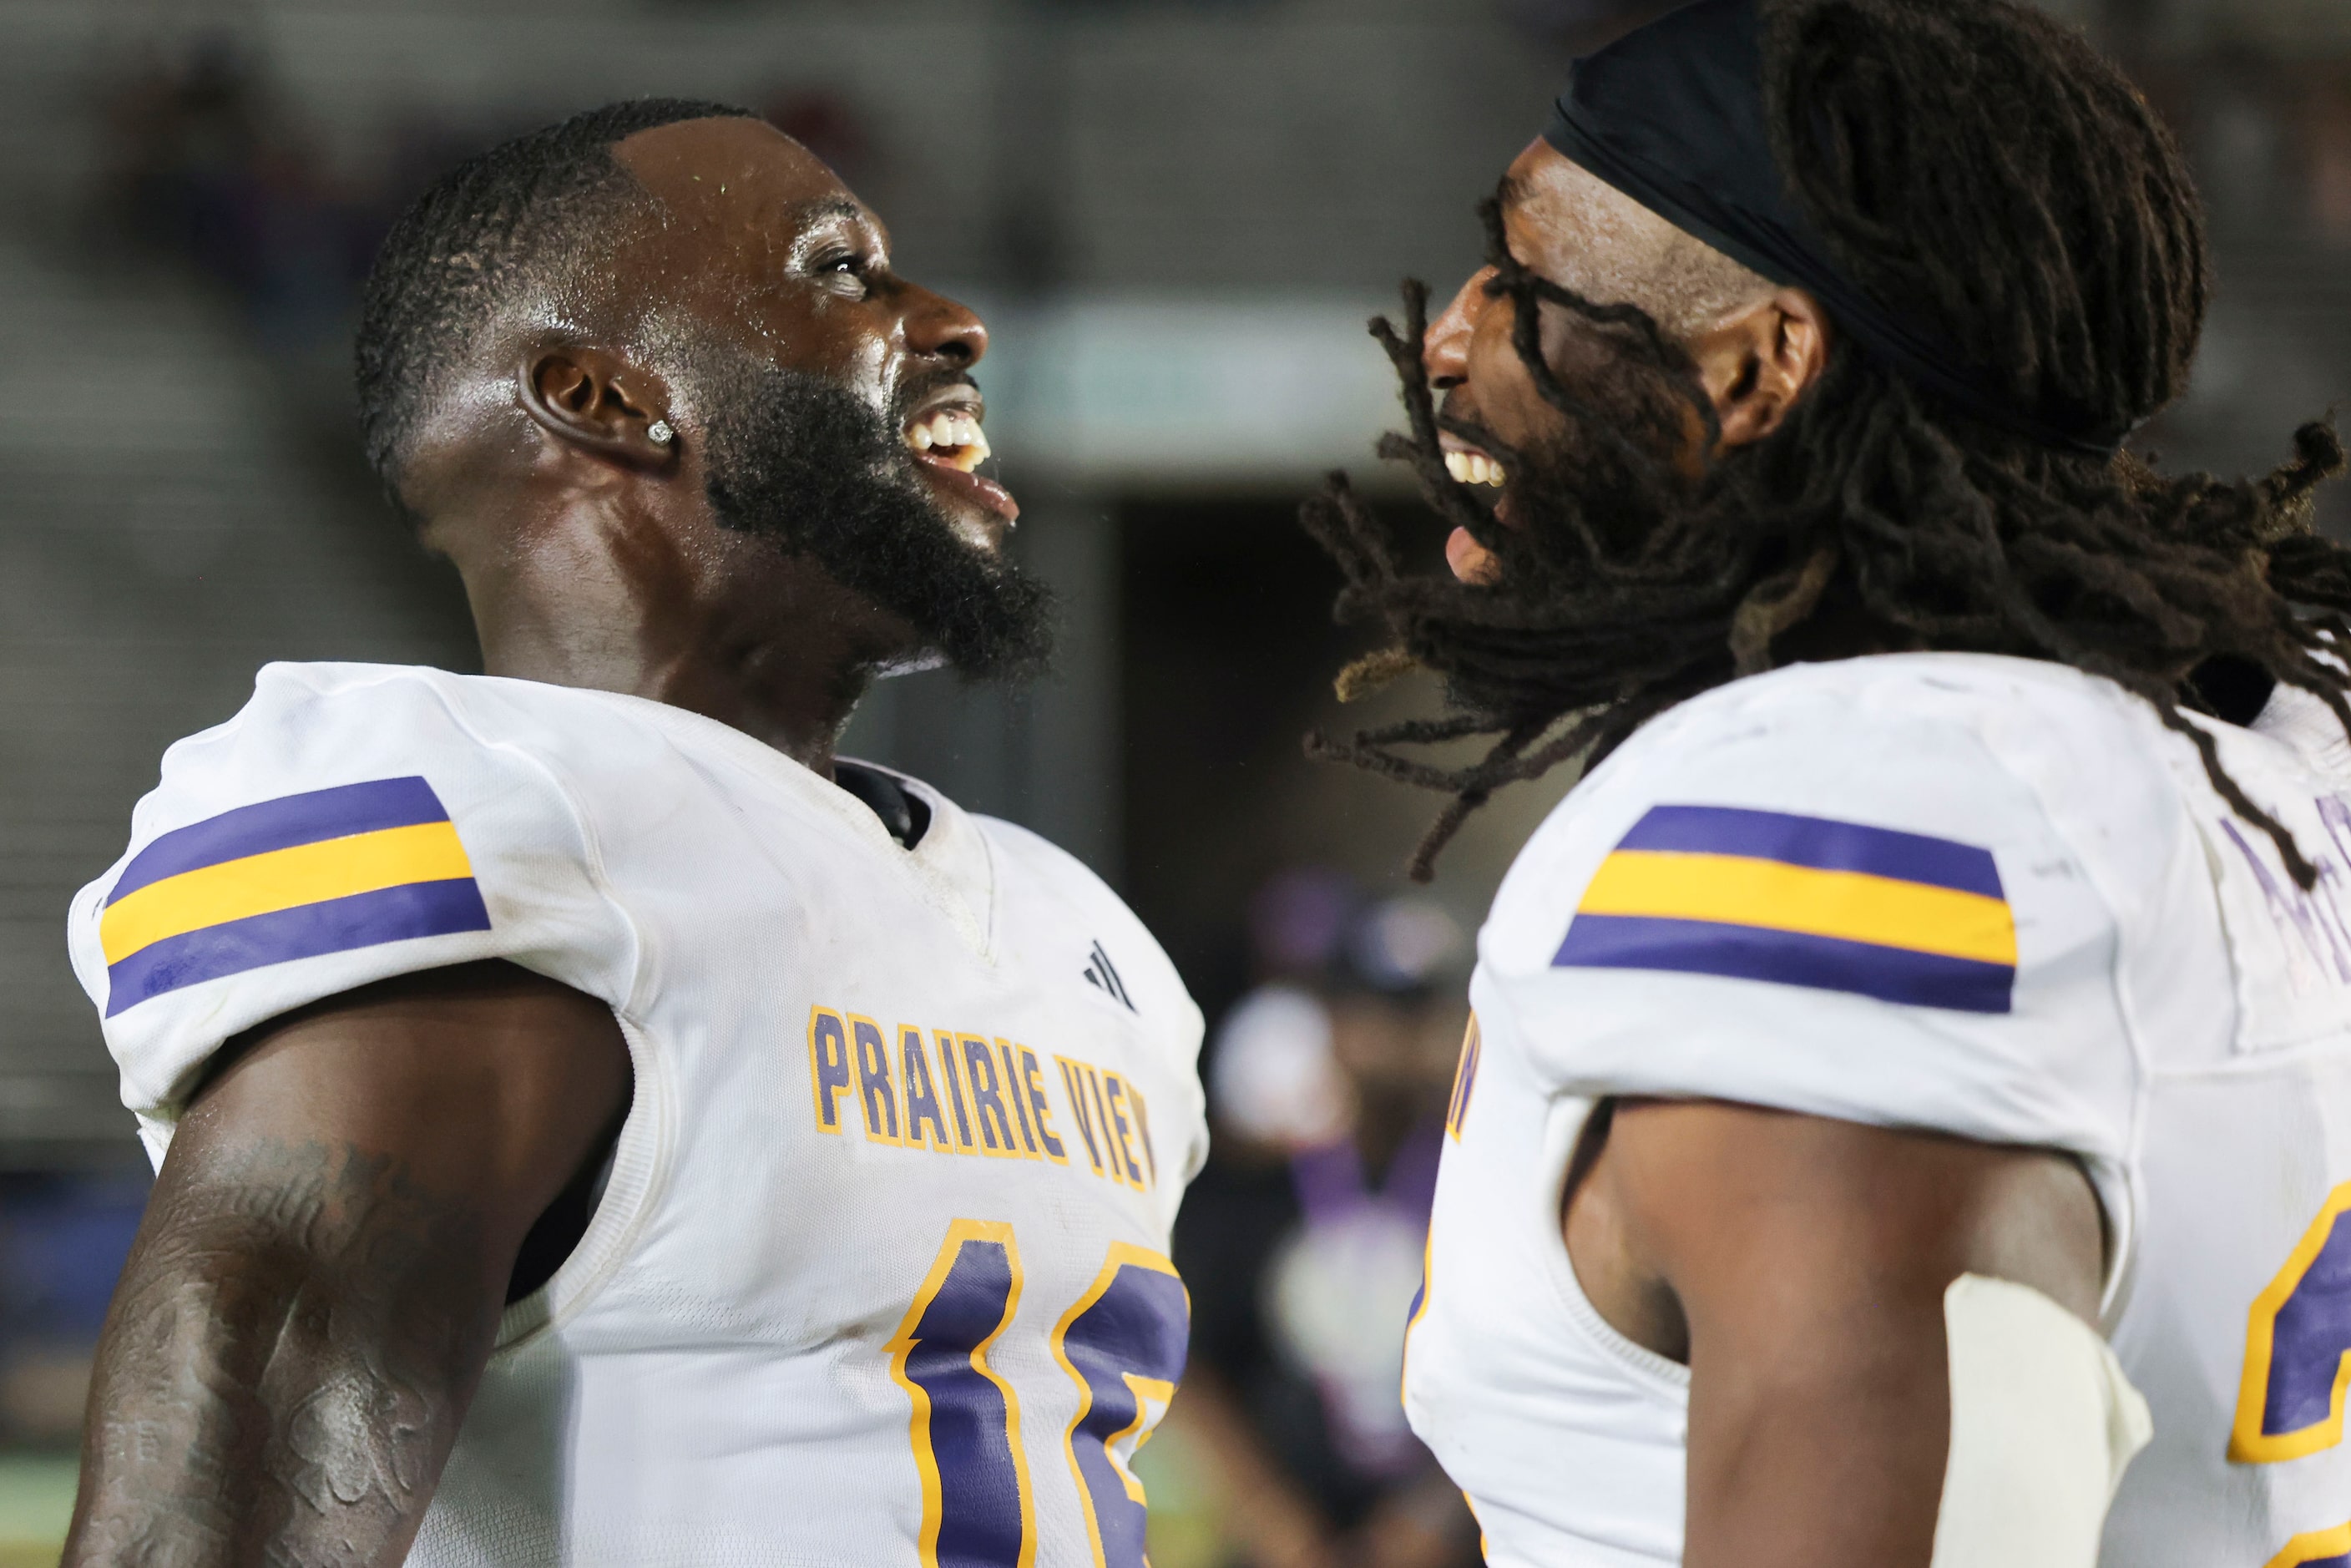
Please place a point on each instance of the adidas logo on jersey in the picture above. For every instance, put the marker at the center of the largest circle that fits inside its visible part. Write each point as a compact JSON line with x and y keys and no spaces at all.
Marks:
{"x":1102,"y":976}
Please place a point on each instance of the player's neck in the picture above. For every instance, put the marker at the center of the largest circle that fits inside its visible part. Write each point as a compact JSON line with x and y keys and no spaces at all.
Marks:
{"x":798,"y":709}
{"x":774,"y":649}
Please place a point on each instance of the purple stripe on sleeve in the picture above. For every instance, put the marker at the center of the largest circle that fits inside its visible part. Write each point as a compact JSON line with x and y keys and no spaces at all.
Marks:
{"x":1817,"y":842}
{"x":1785,"y":957}
{"x":307,"y":931}
{"x":280,"y":824}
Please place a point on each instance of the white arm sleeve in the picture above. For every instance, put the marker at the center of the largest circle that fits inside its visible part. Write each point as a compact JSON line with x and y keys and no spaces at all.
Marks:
{"x":347,"y":826}
{"x":2044,"y":1422}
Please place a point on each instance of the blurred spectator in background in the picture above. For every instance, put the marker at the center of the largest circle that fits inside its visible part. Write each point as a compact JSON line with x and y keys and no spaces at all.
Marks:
{"x":1272,"y":1082}
{"x":1302,"y":1242}
{"x":206,"y":163}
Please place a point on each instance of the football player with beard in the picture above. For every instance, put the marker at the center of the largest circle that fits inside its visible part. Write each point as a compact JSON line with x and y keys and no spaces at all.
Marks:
{"x":595,"y":1125}
{"x":1926,"y":1029}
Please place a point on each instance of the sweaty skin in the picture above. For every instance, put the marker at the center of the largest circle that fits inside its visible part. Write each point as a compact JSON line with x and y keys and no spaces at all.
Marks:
{"x":589,"y":551}
{"x":1796,"y":1265}
{"x":315,"y":1286}
{"x":1758,"y":346}
{"x":313,"y":1291}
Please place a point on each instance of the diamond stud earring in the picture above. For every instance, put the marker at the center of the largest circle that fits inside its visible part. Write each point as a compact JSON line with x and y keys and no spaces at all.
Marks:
{"x":659,"y":433}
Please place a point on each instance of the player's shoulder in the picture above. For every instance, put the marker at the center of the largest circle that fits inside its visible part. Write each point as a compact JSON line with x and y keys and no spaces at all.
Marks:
{"x":416,"y":705}
{"x":322,"y":745}
{"x":1922,"y":764}
{"x":1895,"y":891}
{"x":602,"y":757}
{"x":351,"y":822}
{"x":1124,"y":957}
{"x":317,"y":740}
{"x":1042,"y":869}
{"x":1057,"y":873}
{"x":2058,"y":728}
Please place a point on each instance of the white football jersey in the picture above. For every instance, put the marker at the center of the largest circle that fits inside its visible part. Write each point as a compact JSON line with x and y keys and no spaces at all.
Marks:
{"x":879,"y":1272}
{"x":1978,"y":895}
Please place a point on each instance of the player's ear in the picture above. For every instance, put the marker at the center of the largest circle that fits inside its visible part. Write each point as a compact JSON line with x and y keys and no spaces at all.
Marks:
{"x":594,"y":400}
{"x":1758,"y":361}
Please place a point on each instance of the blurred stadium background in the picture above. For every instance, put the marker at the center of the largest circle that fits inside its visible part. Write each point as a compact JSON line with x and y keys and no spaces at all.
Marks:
{"x":1176,"y":215}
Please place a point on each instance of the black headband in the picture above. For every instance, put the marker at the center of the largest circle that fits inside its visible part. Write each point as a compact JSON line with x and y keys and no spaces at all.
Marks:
{"x":1672,"y":115}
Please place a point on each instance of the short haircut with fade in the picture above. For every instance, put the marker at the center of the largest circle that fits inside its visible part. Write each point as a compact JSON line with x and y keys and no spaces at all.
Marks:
{"x":499,"y":228}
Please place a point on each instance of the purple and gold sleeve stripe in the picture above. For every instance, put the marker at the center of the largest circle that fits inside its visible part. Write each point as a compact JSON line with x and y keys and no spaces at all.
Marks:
{"x":296,"y":877}
{"x":1800,"y":901}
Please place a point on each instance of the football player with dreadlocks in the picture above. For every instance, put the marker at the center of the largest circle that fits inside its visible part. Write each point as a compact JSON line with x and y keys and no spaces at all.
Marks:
{"x":1919,"y":1048}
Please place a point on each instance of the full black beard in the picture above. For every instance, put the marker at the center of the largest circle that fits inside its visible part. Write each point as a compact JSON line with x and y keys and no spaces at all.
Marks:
{"x":1615,"y":540}
{"x":798,"y":461}
{"x":1620,"y":579}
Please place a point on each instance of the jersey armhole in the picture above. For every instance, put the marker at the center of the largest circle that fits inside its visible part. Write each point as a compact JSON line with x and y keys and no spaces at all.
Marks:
{"x":640,"y":1169}
{"x":2111,"y":1184}
{"x":641,"y":1152}
{"x":1659,"y":1377}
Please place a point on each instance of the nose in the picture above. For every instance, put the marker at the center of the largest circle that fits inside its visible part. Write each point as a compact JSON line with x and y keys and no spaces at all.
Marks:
{"x":938,"y":327}
{"x":1444,"y":354}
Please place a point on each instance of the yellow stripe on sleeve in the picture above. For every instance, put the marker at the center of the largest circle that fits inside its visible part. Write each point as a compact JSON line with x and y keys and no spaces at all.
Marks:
{"x":281,"y":879}
{"x":1853,"y":906}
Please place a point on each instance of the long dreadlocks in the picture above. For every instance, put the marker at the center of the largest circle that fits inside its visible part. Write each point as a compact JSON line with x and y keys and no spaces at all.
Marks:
{"x":1984,"y":163}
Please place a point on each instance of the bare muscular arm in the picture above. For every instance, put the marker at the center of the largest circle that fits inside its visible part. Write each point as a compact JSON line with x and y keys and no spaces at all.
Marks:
{"x":317,"y":1282}
{"x":1797,"y":1266}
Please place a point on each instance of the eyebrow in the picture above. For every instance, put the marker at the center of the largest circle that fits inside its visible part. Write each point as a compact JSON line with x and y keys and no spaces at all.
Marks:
{"x":817,"y":208}
{"x":1510,"y":190}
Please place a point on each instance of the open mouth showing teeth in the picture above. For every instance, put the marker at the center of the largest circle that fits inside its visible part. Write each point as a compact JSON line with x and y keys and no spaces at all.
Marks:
{"x":949,"y":435}
{"x":1474,"y":468}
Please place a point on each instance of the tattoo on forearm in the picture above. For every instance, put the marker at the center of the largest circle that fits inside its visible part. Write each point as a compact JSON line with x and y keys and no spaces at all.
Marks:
{"x":289,"y":1353}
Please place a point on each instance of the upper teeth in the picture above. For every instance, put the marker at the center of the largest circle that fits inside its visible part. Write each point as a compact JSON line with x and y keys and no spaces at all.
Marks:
{"x":1474,"y":468}
{"x":956,"y":434}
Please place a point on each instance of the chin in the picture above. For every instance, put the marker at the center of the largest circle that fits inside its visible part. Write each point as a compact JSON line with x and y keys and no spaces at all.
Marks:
{"x":983,"y":532}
